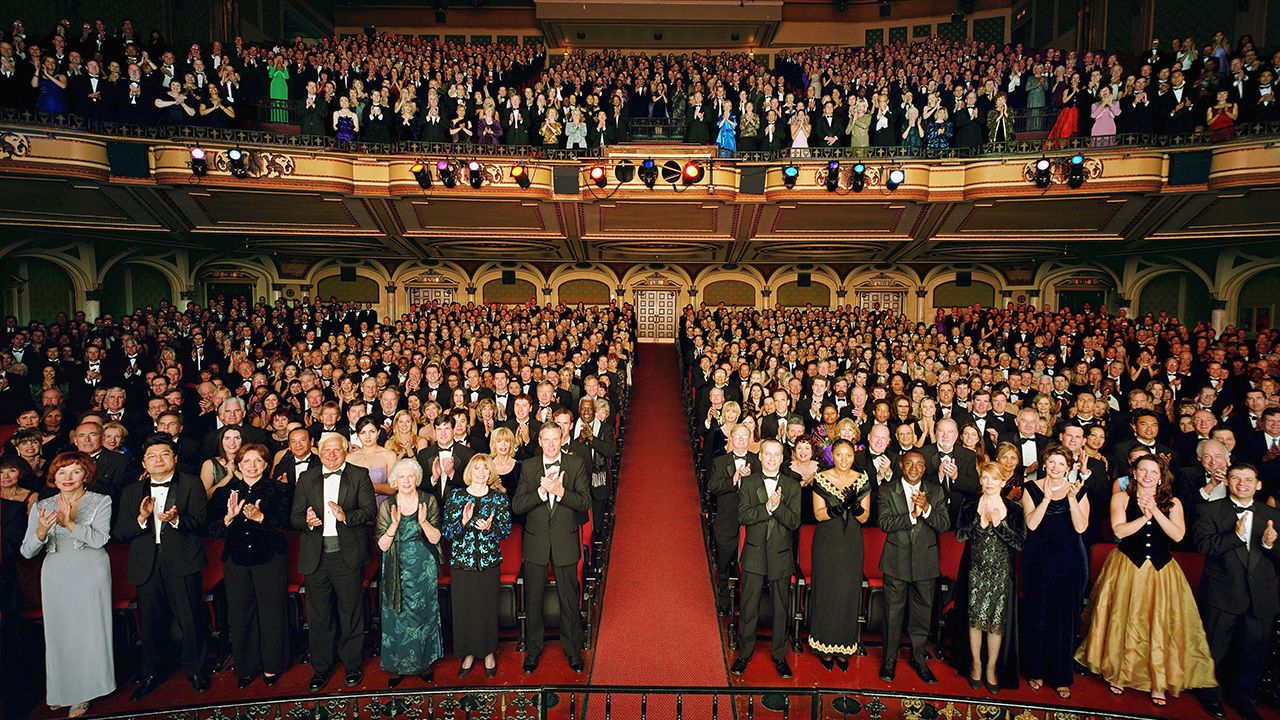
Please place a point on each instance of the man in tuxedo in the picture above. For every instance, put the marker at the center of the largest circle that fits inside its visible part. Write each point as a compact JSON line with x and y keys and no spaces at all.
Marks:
{"x":444,"y":461}
{"x":297,"y":458}
{"x":1029,"y":442}
{"x":769,"y":509}
{"x":231,"y":412}
{"x":1205,"y":482}
{"x":162,"y":518}
{"x":185,"y":449}
{"x":333,"y":506}
{"x":725,"y":477}
{"x":876,"y":460}
{"x":1247,"y":425}
{"x":113,"y":471}
{"x":912,"y":513}
{"x":524,"y":426}
{"x":1238,"y":595}
{"x":1146,"y":427}
{"x":553,"y":496}
{"x":990,"y":425}
{"x":952,"y":466}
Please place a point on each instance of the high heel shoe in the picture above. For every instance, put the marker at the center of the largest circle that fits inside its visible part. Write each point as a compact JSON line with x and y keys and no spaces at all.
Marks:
{"x":974,"y":683}
{"x":827,"y":663}
{"x":393,"y":681}
{"x":843,"y":664}
{"x":78,"y":710}
{"x":270,"y":680}
{"x":993,"y":688}
{"x":465,"y":671}
{"x":491,"y":671}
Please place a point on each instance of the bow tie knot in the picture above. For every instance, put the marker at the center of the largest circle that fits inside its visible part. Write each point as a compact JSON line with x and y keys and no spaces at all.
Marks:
{"x":159,"y":484}
{"x":1240,"y":509}
{"x":333,"y":473}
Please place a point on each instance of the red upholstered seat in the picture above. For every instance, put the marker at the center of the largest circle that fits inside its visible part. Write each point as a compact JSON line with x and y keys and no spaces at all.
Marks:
{"x":123,"y":593}
{"x":872,"y":547}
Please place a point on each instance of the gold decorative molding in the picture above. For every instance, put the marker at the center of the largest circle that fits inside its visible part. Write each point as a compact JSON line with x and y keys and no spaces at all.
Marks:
{"x":14,"y":144}
{"x":259,"y":163}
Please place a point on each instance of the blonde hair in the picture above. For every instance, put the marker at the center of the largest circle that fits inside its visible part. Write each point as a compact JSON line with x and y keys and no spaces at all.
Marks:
{"x":494,"y":481}
{"x":499,"y":434}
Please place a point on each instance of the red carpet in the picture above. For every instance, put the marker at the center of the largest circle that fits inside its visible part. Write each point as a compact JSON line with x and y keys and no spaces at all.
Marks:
{"x":658,"y":620}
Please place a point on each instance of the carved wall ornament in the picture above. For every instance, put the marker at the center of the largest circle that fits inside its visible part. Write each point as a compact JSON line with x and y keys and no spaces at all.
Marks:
{"x":1058,"y":168}
{"x":259,"y":163}
{"x":14,"y":145}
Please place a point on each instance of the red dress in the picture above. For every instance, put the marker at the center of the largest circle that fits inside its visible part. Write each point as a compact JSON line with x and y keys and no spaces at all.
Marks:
{"x":1067,"y":123}
{"x":1222,"y":127}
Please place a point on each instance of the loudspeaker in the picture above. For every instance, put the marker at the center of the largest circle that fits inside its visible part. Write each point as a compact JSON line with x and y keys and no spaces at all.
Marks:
{"x":564,"y":180}
{"x":128,"y":159}
{"x":804,"y":280}
{"x":1190,"y":168}
{"x":964,"y":278}
{"x":347,"y":274}
{"x":508,"y":277}
{"x":752,"y":179}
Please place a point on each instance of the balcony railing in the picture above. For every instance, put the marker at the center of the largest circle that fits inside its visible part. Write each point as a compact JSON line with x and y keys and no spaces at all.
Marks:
{"x":642,"y":128}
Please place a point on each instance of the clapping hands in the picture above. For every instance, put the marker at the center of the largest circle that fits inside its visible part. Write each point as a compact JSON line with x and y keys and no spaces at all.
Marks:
{"x":775,"y":499}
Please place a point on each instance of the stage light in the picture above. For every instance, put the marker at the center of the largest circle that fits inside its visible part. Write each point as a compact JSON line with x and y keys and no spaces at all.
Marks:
{"x":1075,"y":172}
{"x":199,"y":166}
{"x":692,"y":172}
{"x":896,"y":177}
{"x":422,"y":175}
{"x":597,"y":176}
{"x":649,"y":173}
{"x":1043,"y":175}
{"x":474,"y":175}
{"x":236,"y":159}
{"x":520,"y":174}
{"x":858,"y":179}
{"x":833,"y":175}
{"x":790,"y":174}
{"x":624,"y":172}
{"x":445,"y":172}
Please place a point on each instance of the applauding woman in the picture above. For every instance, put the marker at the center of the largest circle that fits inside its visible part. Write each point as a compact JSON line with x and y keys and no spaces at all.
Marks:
{"x":75,"y":584}
{"x":476,"y":519}
{"x":1143,"y":627}
{"x":409,"y":537}
{"x":841,"y":503}
{"x":1055,"y":570}
{"x":993,"y":532}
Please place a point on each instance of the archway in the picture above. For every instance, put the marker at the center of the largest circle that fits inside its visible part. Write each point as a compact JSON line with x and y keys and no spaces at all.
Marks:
{"x":128,"y":286}
{"x":951,"y":294}
{"x":45,"y":288}
{"x":1180,"y":293}
{"x":1259,"y":301}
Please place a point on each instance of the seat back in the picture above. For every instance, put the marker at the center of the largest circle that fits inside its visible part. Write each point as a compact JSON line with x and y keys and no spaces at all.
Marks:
{"x":804,"y":551}
{"x":123,"y":593}
{"x":950,"y":551}
{"x":293,"y":578}
{"x":1097,"y":556}
{"x":213,"y":570}
{"x":1192,"y":564}
{"x":872,"y":548}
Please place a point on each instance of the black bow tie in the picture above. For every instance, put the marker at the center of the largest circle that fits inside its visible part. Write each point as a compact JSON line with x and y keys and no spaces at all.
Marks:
{"x":159,"y":485}
{"x":552,"y":464}
{"x":335,"y":473}
{"x":1240,"y":509}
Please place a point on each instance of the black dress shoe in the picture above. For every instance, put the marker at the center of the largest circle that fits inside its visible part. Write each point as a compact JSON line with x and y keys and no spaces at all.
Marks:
{"x":784,"y":670}
{"x":739,"y":665}
{"x":465,"y":671}
{"x":354,"y":678}
{"x":530,"y":663}
{"x":974,"y":684}
{"x":993,"y":688}
{"x":888,"y":671}
{"x":146,"y":685}
{"x":270,"y":680}
{"x":491,"y":671}
{"x":244,"y":682}
{"x":393,"y":681}
{"x":827,"y":663}
{"x":199,"y":682}
{"x":576,"y":664}
{"x":318,"y":681}
{"x":1214,"y":708}
{"x":843,"y":664}
{"x":428,"y":676}
{"x":922,"y":669}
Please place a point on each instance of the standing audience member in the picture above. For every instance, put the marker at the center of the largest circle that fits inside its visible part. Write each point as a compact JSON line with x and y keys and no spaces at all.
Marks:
{"x":841,"y":504}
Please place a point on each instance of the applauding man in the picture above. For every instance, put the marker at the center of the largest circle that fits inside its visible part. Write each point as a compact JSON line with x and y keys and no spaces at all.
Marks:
{"x":913,"y":513}
{"x":727,"y":473}
{"x":769,"y":508}
{"x":333,"y":506}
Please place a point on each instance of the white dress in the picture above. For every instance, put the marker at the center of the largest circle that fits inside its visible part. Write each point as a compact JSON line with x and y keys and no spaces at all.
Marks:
{"x":75,"y":590}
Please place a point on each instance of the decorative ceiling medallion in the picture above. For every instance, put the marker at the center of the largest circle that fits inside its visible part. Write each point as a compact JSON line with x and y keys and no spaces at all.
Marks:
{"x":14,"y":145}
{"x":259,"y":163}
{"x":881,"y":281}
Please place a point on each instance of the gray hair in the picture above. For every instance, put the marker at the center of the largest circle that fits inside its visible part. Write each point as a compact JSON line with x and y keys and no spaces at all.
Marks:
{"x":404,"y":465}
{"x":325,"y":437}
{"x":232,"y":402}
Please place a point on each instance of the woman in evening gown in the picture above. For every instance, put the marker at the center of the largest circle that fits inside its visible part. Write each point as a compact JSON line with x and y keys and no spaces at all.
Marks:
{"x":408,"y":532}
{"x":841,"y":503}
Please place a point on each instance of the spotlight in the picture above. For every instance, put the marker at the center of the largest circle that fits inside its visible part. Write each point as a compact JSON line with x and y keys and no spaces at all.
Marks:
{"x":859,"y":178}
{"x":236,"y":158}
{"x":422,"y":175}
{"x":445,"y":172}
{"x":692,"y":172}
{"x":474,"y":175}
{"x":1043,"y":176}
{"x":597,"y":176}
{"x":649,"y":173}
{"x":624,"y":172}
{"x":790,"y":174}
{"x":199,"y":166}
{"x":896,"y":177}
{"x":1075,"y":172}
{"x":520,"y":174}
{"x":833,"y":175}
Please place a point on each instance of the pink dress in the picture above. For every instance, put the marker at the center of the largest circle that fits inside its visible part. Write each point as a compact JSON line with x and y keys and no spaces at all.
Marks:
{"x":1104,"y":123}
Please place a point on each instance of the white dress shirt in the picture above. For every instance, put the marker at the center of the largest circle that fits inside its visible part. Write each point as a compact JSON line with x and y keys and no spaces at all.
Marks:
{"x":908,"y":490}
{"x":331,"y":483}
{"x":160,"y":495}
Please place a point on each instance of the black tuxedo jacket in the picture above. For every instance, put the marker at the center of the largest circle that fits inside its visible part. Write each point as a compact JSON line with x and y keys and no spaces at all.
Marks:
{"x":181,"y":548}
{"x":911,"y":551}
{"x":965,"y":486}
{"x":112,"y":473}
{"x":1014,"y":439}
{"x":768,"y":547}
{"x":355,"y":495}
{"x":442,"y":487}
{"x":1237,"y":580}
{"x":288,"y":466}
{"x":720,"y":486}
{"x":551,"y":536}
{"x":529,"y":449}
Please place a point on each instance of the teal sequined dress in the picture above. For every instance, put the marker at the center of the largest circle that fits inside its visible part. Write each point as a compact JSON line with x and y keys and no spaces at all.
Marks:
{"x":411,"y":631}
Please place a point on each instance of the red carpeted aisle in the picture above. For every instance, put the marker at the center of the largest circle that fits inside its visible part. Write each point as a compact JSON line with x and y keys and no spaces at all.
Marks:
{"x":658,"y":618}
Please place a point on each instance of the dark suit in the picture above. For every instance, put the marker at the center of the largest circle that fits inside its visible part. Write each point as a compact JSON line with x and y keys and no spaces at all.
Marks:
{"x":288,"y":466}
{"x":965,"y":486}
{"x":167,"y":573}
{"x":1016,"y":439}
{"x":721,"y":486}
{"x":767,"y":554}
{"x":551,"y":537}
{"x":1238,"y":595}
{"x":445,"y":484}
{"x":910,"y":564}
{"x":334,"y":573}
{"x":112,"y":473}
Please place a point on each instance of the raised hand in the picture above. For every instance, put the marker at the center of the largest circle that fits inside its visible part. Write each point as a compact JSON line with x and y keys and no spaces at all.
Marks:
{"x":45,"y":519}
{"x":313,"y":521}
{"x":145,"y":508}
{"x":168,"y":516}
{"x":422,"y":514}
{"x":338,"y":512}
{"x":1269,"y":535}
{"x":1240,"y":523}
{"x":66,"y":513}
{"x":253,"y":511}
{"x":484,"y":523}
{"x":775,"y":499}
{"x":468,"y":511}
{"x":234,"y":507}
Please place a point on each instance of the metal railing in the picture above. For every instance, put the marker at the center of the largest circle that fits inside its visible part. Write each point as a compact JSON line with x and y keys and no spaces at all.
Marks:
{"x":651,"y":129}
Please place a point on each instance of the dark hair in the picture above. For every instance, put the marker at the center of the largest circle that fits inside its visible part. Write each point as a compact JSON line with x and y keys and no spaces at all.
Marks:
{"x":443,"y":420}
{"x":161,"y":439}
{"x":1164,"y":490}
{"x":366,"y":420}
{"x":262,"y":451}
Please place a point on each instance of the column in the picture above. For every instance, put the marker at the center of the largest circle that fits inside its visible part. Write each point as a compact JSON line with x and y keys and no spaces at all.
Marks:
{"x":390,"y":304}
{"x":1218,"y":316}
{"x":92,"y":304}
{"x":921,"y":310}
{"x":276,"y":290}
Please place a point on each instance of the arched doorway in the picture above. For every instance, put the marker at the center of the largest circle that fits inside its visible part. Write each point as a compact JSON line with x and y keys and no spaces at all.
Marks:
{"x":38,"y":289}
{"x":129,"y":286}
{"x":1259,"y":301}
{"x":1181,"y":294}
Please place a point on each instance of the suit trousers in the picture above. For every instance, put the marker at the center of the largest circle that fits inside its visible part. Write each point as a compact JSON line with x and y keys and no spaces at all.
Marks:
{"x":166,"y":596}
{"x":535,"y":586}
{"x":257,"y":598}
{"x":1239,"y":646}
{"x":599,"y":508}
{"x":898,"y":595}
{"x":780,"y":596}
{"x":334,"y":583}
{"x":726,"y":559}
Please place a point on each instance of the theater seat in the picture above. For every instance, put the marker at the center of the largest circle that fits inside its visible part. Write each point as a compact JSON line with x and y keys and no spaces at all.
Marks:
{"x":215,"y":598}
{"x":1097,"y":556}
{"x":950,"y":553}
{"x":804,"y":582}
{"x":1192,"y":564}
{"x":872,"y":613}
